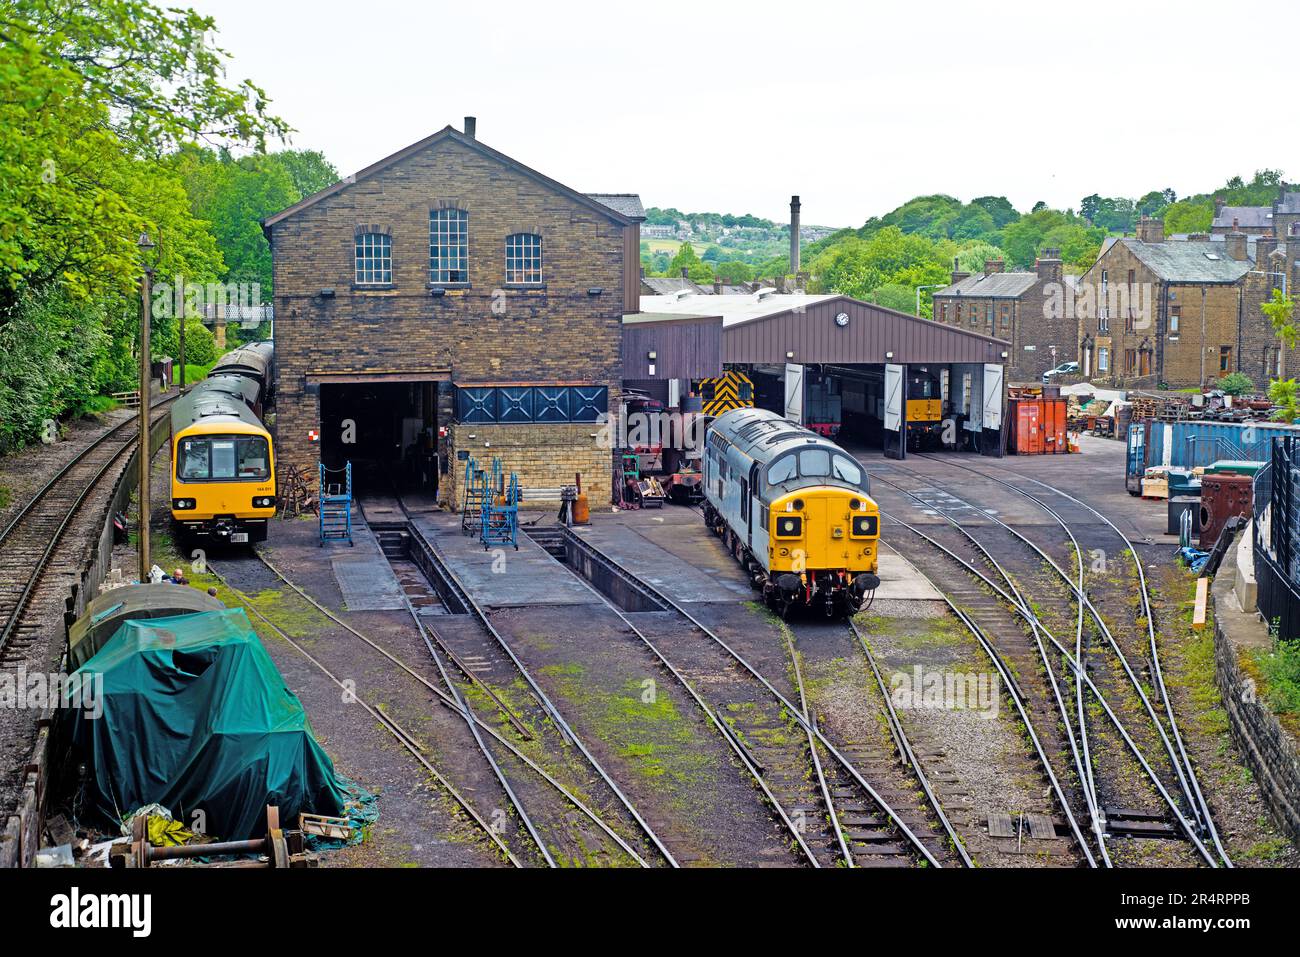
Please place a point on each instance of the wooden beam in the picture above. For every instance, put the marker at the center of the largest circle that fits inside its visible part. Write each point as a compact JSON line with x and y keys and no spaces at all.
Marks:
{"x":1202,"y":602}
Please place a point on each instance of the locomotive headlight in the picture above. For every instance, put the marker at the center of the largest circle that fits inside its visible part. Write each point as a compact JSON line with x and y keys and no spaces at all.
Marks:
{"x":263,"y":501}
{"x":181,"y":504}
{"x":789,"y":526}
{"x":866,"y":526}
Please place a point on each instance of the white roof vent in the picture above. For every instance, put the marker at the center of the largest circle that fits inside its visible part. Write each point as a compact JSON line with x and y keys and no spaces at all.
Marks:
{"x":681,"y":294}
{"x":764,"y":293}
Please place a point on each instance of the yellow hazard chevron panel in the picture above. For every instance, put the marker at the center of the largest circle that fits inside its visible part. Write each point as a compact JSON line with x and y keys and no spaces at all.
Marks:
{"x":732,"y":390}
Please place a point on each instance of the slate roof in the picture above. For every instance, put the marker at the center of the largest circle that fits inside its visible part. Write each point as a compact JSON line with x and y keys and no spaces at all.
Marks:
{"x":1201,"y":262}
{"x":998,"y":285}
{"x":667,"y":285}
{"x":1249,"y":218}
{"x":629,"y":204}
{"x":448,"y":133}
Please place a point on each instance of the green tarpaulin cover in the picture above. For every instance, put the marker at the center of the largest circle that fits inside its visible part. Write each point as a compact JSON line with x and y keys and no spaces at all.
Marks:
{"x":196,"y":717}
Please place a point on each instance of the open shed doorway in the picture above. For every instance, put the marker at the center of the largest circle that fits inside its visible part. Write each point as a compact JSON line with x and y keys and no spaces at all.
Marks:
{"x":387,"y":430}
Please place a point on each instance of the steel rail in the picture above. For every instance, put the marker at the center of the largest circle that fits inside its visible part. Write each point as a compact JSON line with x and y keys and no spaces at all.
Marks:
{"x":794,"y":712}
{"x":1081,"y":757}
{"x":1013,"y":689}
{"x":845,"y":853}
{"x":1082,"y":596}
{"x":1078,"y":670}
{"x":38,"y":567}
{"x":905,"y":752}
{"x":1200,"y":806}
{"x":450,"y":702}
{"x":742,"y":754}
{"x":481,"y":616}
{"x":402,"y":737}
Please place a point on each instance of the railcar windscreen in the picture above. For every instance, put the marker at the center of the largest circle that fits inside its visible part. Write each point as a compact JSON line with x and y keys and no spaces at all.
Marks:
{"x":224,"y":458}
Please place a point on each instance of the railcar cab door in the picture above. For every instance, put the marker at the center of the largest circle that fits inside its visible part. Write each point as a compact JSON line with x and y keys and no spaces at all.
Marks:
{"x":749,"y":502}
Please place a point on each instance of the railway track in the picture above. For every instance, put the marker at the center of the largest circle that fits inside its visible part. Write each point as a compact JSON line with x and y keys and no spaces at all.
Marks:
{"x":1084,"y":525}
{"x":835,"y":816}
{"x":486,"y":660}
{"x":1100,"y":777}
{"x":32,"y":537}
{"x":548,"y":822}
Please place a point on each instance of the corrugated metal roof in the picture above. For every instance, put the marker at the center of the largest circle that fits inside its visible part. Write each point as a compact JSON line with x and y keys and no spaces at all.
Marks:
{"x":629,"y":204}
{"x":733,"y":309}
{"x":1189,"y":261}
{"x":997,"y":285}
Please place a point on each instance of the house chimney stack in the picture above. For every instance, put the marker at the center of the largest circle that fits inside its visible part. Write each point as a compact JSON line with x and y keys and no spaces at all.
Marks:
{"x":958,"y":274}
{"x":1218,"y":206}
{"x":993,"y":265}
{"x":717,"y":285}
{"x":1150,"y":230}
{"x":1234,"y":243}
{"x":794,"y":234}
{"x":686,"y":272}
{"x":471,"y":127}
{"x":1049,"y":266}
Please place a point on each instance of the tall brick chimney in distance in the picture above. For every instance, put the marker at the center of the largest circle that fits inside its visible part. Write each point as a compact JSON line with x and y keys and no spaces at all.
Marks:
{"x":1234,"y":243}
{"x":471,"y":127}
{"x":958,"y":274}
{"x":1218,"y":206}
{"x":1151,"y":230}
{"x":794,"y":235}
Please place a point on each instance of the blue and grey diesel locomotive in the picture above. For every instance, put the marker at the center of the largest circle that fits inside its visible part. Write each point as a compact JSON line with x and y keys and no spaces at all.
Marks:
{"x":794,"y":509}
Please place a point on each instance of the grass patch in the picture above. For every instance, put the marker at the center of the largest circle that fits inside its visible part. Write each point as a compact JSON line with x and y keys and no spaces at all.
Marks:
{"x":6,"y":496}
{"x":99,"y":404}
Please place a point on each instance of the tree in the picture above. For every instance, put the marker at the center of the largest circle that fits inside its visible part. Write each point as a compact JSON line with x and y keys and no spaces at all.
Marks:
{"x":1283,"y":392}
{"x":734,"y":272}
{"x":91,"y":96}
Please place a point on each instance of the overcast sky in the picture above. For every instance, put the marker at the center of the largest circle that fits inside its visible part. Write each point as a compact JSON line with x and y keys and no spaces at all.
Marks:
{"x":731,"y":107}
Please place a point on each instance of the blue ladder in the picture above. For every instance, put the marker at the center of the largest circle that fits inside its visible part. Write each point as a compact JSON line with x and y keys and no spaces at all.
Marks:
{"x":471,"y":508}
{"x":336,"y":506}
{"x":500,"y":511}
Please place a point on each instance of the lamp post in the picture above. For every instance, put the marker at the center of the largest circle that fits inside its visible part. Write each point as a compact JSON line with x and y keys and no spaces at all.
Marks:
{"x":937,"y":285}
{"x":146,"y":283}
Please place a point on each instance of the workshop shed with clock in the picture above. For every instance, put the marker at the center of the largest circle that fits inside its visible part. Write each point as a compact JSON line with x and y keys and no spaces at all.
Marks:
{"x":867,"y":376}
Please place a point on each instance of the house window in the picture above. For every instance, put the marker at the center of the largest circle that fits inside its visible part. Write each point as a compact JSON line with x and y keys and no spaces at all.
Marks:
{"x":1175,"y":314}
{"x":374,"y":257}
{"x":1006,"y":317}
{"x":1225,"y":359}
{"x":1130,"y":361}
{"x":524,"y":258}
{"x":448,"y":246}
{"x":943,"y":312}
{"x":1103,"y":322}
{"x":1103,"y":359}
{"x":959,"y":312}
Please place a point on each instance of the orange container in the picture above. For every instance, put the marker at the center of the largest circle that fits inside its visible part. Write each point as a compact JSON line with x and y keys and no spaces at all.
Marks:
{"x":1037,"y":426}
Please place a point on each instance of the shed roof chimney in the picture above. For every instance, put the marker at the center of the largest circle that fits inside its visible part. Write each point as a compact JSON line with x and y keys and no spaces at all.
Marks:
{"x":471,"y":127}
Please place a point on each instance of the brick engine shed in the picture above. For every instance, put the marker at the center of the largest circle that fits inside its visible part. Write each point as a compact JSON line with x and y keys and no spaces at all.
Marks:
{"x":448,"y":302}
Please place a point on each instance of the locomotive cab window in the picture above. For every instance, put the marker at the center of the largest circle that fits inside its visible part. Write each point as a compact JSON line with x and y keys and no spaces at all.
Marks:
{"x":782,"y":470}
{"x":224,"y":458}
{"x":846,"y":470}
{"x":814,"y":462}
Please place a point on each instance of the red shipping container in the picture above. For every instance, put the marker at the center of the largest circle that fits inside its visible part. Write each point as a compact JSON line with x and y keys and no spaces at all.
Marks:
{"x":1038,"y":426}
{"x":1222,"y":497}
